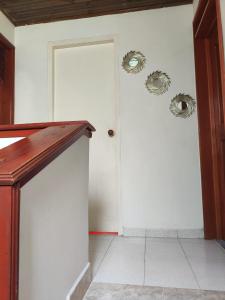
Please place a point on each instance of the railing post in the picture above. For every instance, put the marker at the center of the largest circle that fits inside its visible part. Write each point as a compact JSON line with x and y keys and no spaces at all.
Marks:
{"x":9,"y":242}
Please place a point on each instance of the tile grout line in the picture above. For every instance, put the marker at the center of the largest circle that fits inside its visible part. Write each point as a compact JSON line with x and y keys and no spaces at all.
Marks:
{"x":106,"y":252}
{"x":189,"y":263}
{"x":144,"y":259}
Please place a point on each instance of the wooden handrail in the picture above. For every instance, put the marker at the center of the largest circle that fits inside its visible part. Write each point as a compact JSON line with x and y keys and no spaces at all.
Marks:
{"x":43,"y":125}
{"x":20,"y":161}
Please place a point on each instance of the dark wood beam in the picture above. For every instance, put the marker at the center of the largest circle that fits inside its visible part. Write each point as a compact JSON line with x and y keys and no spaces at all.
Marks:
{"x":25,"y":12}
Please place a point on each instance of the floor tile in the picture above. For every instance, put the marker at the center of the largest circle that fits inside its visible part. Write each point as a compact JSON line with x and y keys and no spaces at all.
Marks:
{"x":208,"y":262}
{"x":99,"y":243}
{"x":96,"y":260}
{"x":98,"y":246}
{"x":124,"y":262}
{"x":166,"y":265}
{"x":183,"y":263}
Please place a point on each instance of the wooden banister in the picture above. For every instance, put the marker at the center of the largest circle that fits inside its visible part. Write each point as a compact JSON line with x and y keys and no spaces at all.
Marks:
{"x":19,"y":162}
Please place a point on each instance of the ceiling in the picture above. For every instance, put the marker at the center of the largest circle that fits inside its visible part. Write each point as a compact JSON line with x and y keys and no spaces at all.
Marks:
{"x":24,"y":12}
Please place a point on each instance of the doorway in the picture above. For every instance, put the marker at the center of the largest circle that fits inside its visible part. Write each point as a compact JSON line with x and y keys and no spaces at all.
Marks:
{"x":84,"y":88}
{"x":7,"y":73}
{"x":210,"y":81}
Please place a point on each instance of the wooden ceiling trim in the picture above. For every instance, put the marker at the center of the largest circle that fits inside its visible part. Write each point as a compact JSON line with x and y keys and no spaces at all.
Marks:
{"x":25,"y":12}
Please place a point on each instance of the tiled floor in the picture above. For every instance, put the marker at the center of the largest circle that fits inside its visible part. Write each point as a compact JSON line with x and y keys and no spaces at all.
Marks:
{"x":177,"y":263}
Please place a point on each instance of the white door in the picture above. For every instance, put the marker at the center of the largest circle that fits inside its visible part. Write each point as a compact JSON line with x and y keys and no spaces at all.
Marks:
{"x":84,"y":89}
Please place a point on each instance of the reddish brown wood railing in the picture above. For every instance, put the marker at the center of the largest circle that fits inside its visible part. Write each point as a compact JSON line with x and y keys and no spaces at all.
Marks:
{"x":7,"y":76}
{"x":210,"y":88}
{"x":19,"y":162}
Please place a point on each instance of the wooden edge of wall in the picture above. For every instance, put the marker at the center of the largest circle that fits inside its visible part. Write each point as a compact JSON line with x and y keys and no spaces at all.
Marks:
{"x":9,"y":240}
{"x":7,"y":100}
{"x":199,"y":14}
{"x":208,"y":12}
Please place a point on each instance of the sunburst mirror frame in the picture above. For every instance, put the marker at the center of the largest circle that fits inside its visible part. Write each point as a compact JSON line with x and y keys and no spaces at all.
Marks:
{"x":133,"y":62}
{"x":182,"y":105}
{"x":158,"y":83}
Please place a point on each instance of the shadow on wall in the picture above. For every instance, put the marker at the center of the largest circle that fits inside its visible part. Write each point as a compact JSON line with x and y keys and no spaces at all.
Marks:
{"x":96,"y":213}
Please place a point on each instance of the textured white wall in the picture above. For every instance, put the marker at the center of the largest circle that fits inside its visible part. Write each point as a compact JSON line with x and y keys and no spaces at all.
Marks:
{"x":6,"y":28}
{"x":195,"y":5}
{"x":160,"y":174}
{"x":54,"y":226}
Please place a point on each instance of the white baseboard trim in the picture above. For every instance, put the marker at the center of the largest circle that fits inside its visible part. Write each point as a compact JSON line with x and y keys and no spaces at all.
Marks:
{"x":136,"y":232}
{"x":191,"y":233}
{"x":80,"y":285}
{"x":164,"y":233}
{"x":161,"y":233}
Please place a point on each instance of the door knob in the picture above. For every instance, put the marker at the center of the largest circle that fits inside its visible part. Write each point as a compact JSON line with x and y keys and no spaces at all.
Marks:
{"x":111,"y":133}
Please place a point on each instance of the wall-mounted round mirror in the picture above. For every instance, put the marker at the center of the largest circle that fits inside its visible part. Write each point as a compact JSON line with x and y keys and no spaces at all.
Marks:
{"x":133,"y":62}
{"x":182,"y":106}
{"x":158,"y":83}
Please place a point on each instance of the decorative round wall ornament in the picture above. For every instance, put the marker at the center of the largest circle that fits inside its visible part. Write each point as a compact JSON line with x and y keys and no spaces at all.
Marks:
{"x":133,"y":62}
{"x":182,"y":106}
{"x":158,"y":83}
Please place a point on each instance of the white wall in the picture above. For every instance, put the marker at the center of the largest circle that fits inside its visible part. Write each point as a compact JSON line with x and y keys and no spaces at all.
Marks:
{"x":5,"y":142}
{"x":195,"y":5}
{"x":54,"y":226}
{"x":160,"y":174}
{"x":6,"y":28}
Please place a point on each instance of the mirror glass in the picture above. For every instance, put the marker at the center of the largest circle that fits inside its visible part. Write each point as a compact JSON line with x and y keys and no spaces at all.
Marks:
{"x":182,"y":106}
{"x":133,"y":62}
{"x":158,"y":83}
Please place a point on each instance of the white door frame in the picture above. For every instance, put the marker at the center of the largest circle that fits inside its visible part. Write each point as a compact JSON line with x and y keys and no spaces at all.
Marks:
{"x":52,"y":46}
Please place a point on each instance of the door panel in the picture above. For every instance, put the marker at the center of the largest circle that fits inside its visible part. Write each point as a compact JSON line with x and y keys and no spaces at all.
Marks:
{"x":84,"y":89}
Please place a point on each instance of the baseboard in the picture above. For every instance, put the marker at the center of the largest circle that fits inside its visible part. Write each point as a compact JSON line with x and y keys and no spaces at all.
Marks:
{"x":191,"y":233}
{"x":163,"y":233}
{"x":81,"y":285}
{"x":136,"y":232}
